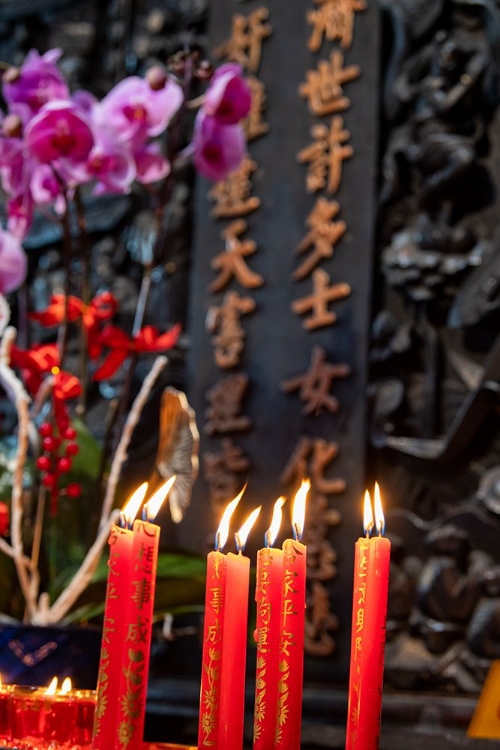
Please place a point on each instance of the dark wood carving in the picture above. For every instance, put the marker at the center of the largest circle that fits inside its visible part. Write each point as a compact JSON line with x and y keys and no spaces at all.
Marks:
{"x":435,"y":356}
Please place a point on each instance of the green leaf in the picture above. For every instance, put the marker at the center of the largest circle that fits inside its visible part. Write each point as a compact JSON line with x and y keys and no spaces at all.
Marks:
{"x":88,"y":459}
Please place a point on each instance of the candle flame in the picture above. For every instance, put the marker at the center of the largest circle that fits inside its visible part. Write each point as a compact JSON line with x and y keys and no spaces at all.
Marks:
{"x":66,"y":686}
{"x":379,"y":513}
{"x":274,"y":528}
{"x":299,"y":509}
{"x":129,"y":511}
{"x":223,"y":530}
{"x":368,"y":514}
{"x":152,"y":507}
{"x":241,"y":536}
{"x":51,"y":690}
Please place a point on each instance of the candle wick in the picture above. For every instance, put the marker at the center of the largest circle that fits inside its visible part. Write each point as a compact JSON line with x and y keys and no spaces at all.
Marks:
{"x":296,"y":534}
{"x":239,"y":545}
{"x":266,"y":540}
{"x":217,"y":541}
{"x":123,"y":522}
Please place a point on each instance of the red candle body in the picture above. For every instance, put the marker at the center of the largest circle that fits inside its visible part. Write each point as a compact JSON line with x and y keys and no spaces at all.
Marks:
{"x":268,"y":598}
{"x":233,"y":662}
{"x":117,"y":592}
{"x":137,"y":637}
{"x":212,"y":651}
{"x":361,"y":555}
{"x":291,"y":647}
{"x":365,"y":721}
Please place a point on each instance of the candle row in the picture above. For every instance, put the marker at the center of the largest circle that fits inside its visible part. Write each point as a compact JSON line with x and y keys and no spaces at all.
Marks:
{"x":280,"y":620}
{"x":280,"y":597}
{"x":33,"y":717}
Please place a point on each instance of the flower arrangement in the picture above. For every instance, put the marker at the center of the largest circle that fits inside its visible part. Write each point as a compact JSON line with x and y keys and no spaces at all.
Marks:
{"x":57,"y":146}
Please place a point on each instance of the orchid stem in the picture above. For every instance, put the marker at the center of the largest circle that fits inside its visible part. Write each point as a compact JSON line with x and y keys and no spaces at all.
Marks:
{"x":85,"y":250}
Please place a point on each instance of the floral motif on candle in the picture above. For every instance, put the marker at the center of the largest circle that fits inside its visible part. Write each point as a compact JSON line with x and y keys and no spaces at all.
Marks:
{"x":138,"y":635}
{"x":212,"y":644}
{"x":292,"y":627}
{"x":267,"y":632}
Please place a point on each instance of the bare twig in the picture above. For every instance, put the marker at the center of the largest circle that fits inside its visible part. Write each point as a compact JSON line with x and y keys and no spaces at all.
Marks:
{"x":121,"y":450}
{"x":80,"y":580}
{"x":20,"y":398}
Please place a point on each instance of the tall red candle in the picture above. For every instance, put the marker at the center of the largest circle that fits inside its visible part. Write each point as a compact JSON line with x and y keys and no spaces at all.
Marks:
{"x":215,"y":592}
{"x":138,"y":627}
{"x":222,"y":698}
{"x":267,"y":633}
{"x":292,"y":625}
{"x":113,"y":632}
{"x":366,"y":703}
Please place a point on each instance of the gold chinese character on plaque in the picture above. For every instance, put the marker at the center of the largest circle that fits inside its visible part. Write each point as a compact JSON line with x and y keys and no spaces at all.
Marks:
{"x":323,"y":86}
{"x":254,"y":124}
{"x":224,"y":321}
{"x":323,"y":235}
{"x":326,"y":155}
{"x":317,"y":302}
{"x":232,"y":196}
{"x":225,"y":399}
{"x":230,"y":263}
{"x":245,"y":43}
{"x":333,"y":19}
{"x":314,"y":385}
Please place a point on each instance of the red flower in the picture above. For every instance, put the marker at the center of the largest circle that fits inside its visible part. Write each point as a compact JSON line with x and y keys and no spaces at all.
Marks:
{"x":4,"y":519}
{"x":101,"y":308}
{"x":40,"y":360}
{"x":147,"y":340}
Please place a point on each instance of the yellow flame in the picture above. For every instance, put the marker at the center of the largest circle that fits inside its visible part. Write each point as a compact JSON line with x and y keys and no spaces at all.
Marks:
{"x":367,"y":514}
{"x":52,"y":687}
{"x":223,"y":530}
{"x":66,"y":686}
{"x":133,"y":504}
{"x":379,"y":513}
{"x":299,"y":508}
{"x":274,"y":528}
{"x":241,"y":535}
{"x":152,"y":507}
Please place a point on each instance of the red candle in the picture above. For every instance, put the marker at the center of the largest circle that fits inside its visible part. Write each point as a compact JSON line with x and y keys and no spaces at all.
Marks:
{"x":134,"y":668}
{"x":113,"y":632}
{"x":366,"y":701}
{"x":292,"y":625}
{"x":212,"y":650}
{"x":267,"y":632}
{"x":222,"y":697}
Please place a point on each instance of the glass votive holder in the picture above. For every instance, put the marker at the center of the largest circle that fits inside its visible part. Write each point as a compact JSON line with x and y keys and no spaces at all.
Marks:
{"x":58,"y":719}
{"x":24,"y":711}
{"x":4,"y":714}
{"x":85,"y":708}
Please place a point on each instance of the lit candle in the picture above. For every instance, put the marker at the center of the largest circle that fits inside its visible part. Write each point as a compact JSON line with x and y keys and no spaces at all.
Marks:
{"x":113,"y":632}
{"x":368,"y":634}
{"x":58,"y":714}
{"x":222,"y":696}
{"x":291,"y":643}
{"x":138,"y":622}
{"x":267,"y":632}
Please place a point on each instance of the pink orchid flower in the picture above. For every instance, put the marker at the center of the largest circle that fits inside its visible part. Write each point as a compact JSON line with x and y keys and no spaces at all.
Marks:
{"x":228,"y":98}
{"x":111,"y":164}
{"x":134,"y":111}
{"x":59,"y":131}
{"x":13,"y":262}
{"x":217,"y":149}
{"x":150,"y":164}
{"x":39,"y":81}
